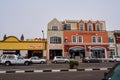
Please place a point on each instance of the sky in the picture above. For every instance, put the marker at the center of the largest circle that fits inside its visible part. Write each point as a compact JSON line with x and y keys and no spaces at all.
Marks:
{"x":30,"y":17}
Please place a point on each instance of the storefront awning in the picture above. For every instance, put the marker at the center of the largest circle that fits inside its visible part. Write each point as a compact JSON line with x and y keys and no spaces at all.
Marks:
{"x":77,"y":49}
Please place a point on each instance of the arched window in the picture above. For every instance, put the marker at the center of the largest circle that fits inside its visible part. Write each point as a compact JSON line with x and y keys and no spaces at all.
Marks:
{"x":55,"y":40}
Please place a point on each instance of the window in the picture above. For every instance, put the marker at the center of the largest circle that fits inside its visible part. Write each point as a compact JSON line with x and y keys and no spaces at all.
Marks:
{"x":97,"y":27}
{"x":55,"y":40}
{"x":80,"y":39}
{"x":99,"y":39}
{"x":67,"y":27}
{"x":81,"y":27}
{"x":112,"y":52}
{"x":94,"y":39}
{"x":74,"y":39}
{"x":11,"y":57}
{"x":111,"y":40}
{"x":89,"y":27}
{"x":55,"y":28}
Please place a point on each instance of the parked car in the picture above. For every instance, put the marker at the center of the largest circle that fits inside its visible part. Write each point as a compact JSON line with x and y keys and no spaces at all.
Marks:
{"x":36,"y":59}
{"x":9,"y":59}
{"x":114,"y":58}
{"x":89,"y":59}
{"x":60,"y":59}
{"x":113,"y":74}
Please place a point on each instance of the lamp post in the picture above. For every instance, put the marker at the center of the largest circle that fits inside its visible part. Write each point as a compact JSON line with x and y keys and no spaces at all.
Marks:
{"x":43,"y":33}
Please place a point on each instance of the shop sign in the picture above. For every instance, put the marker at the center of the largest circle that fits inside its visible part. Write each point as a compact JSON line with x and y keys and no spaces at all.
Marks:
{"x":35,"y":46}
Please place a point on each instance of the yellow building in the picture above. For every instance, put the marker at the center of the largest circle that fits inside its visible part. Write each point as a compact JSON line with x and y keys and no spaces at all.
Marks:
{"x":12,"y":45}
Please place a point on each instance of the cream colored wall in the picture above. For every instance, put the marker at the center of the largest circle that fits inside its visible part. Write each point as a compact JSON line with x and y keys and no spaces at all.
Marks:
{"x":118,"y":49}
{"x":112,"y":45}
{"x":55,"y":22}
{"x":104,"y":25}
{"x":51,"y":33}
{"x":24,"y":52}
{"x":74,"y":26}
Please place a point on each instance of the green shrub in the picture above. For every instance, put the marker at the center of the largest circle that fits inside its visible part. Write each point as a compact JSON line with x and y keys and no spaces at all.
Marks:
{"x":73,"y":64}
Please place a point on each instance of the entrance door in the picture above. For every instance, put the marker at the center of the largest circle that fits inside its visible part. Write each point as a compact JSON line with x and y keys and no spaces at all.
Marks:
{"x":54,"y":53}
{"x":38,"y":53}
{"x":98,"y":53}
{"x":80,"y":52}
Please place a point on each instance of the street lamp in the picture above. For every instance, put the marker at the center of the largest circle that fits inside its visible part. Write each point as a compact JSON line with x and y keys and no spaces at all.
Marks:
{"x":43,"y":33}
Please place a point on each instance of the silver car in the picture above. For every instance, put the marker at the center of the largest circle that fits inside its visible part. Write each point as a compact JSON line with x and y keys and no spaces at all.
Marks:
{"x":36,"y":59}
{"x":60,"y":59}
{"x":114,"y":58}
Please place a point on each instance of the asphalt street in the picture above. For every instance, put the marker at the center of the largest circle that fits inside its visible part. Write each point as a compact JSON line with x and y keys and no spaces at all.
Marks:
{"x":84,"y":75}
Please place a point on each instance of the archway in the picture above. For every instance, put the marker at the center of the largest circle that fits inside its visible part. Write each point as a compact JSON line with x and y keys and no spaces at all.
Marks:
{"x":77,"y":52}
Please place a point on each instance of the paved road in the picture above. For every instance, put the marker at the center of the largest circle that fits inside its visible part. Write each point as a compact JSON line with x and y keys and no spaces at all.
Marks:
{"x":88,"y":75}
{"x":56,"y":66}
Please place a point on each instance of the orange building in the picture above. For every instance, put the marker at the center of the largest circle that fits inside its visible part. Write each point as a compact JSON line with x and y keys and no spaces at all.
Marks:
{"x":85,"y":38}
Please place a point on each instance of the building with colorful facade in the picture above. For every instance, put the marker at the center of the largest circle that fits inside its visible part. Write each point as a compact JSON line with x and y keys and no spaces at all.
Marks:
{"x":68,"y":38}
{"x":34,"y":47}
{"x":77,"y":38}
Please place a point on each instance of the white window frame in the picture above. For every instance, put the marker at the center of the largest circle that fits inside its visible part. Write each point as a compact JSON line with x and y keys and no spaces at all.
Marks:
{"x":91,"y":27}
{"x":82,"y":26}
{"x":54,"y":29}
{"x":98,"y":39}
{"x":96,"y":27}
{"x":55,"y":40}
{"x":75,"y":39}
{"x":95,"y":39}
{"x":81,"y":39}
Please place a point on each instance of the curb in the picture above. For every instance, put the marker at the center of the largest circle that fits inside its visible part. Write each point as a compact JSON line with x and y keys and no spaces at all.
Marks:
{"x":53,"y":70}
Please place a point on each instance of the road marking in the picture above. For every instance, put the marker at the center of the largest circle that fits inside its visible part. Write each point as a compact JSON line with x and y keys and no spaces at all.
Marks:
{"x":103,"y":68}
{"x":72,"y":70}
{"x":89,"y":69}
{"x":55,"y":70}
{"x":20,"y":71}
{"x":38,"y":70}
{"x":2,"y":71}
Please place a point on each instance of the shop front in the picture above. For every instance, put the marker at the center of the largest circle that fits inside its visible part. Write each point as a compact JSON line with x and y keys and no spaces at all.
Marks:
{"x":11,"y":45}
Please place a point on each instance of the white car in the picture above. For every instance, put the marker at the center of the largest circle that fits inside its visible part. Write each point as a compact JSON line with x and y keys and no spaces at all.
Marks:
{"x":9,"y":59}
{"x":114,"y":58}
{"x":36,"y":59}
{"x":60,"y":59}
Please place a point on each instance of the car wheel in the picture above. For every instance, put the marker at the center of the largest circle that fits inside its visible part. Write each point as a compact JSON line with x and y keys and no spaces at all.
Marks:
{"x":88,"y":61}
{"x":55,"y":62}
{"x":27,"y":63}
{"x":42,"y":62}
{"x":66,"y":62}
{"x":7,"y":63}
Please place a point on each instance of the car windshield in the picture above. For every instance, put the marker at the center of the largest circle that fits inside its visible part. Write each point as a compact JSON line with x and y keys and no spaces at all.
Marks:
{"x":114,"y":73}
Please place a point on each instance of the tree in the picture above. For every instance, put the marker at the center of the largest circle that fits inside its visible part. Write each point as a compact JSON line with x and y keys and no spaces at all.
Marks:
{"x":4,"y":37}
{"x":22,"y":37}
